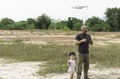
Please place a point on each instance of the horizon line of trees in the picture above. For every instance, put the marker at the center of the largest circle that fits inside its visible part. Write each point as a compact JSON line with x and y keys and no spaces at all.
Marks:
{"x":110,"y":23}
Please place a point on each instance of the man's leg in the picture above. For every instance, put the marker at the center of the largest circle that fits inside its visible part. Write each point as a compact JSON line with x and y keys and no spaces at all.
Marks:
{"x":79,"y":65}
{"x":86,"y":65}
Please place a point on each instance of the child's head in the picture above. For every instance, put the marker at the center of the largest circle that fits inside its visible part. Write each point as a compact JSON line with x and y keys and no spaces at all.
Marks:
{"x":72,"y":55}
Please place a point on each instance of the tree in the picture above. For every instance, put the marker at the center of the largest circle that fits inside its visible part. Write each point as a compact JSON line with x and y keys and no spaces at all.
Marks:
{"x":113,"y":18}
{"x":97,"y":24}
{"x":74,"y":23}
{"x":77,"y":23}
{"x":43,"y":22}
{"x":21,"y":25}
{"x":5,"y":23}
{"x":70,"y":23}
{"x":59,"y":25}
{"x":31,"y":23}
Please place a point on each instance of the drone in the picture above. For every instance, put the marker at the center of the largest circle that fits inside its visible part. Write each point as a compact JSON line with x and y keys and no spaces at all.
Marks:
{"x":79,"y":7}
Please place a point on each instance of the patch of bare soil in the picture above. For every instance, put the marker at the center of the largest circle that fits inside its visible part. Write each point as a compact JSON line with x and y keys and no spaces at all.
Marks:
{"x":94,"y":73}
{"x":28,"y":70}
{"x":41,"y":37}
{"x":19,"y":70}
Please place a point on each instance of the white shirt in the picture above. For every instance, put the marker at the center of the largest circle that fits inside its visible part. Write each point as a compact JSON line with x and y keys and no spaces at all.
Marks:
{"x":71,"y":64}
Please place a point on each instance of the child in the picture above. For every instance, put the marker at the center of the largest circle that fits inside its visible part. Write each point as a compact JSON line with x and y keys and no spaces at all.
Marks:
{"x":71,"y":64}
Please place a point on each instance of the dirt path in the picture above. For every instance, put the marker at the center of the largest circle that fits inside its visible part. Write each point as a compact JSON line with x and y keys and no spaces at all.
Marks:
{"x":21,"y":70}
{"x":51,"y":37}
{"x":94,"y":73}
{"x":28,"y":70}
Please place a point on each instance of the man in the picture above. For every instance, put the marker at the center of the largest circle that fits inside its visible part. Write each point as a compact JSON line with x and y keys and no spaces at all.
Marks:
{"x":83,"y":40}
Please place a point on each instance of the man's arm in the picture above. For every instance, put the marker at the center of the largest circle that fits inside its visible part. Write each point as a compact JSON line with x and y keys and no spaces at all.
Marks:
{"x":79,"y":42}
{"x":91,"y":42}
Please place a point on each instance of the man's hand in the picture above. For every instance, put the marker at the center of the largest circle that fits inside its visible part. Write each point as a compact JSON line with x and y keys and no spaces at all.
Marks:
{"x":91,"y":42}
{"x":83,"y":40}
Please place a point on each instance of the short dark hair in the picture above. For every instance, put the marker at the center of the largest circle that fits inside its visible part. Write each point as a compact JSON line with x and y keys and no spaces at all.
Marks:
{"x":71,"y":53}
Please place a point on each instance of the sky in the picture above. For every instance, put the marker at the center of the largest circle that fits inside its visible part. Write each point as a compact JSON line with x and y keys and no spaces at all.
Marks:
{"x":19,"y":10}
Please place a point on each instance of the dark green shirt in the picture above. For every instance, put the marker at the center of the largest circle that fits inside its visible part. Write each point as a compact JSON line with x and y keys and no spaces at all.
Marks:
{"x":83,"y":47}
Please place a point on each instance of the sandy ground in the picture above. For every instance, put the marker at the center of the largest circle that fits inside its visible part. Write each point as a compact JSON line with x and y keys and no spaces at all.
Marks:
{"x":28,"y":70}
{"x":21,"y":70}
{"x":40,"y":37}
{"x":94,"y":73}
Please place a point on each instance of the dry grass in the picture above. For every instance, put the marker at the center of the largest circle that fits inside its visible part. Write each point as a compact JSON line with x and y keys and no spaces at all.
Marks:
{"x":57,"y":55}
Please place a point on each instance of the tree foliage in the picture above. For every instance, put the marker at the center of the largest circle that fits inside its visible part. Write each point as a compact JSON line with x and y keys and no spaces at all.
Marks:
{"x":43,"y":22}
{"x":113,"y":18}
{"x":110,"y":23}
{"x":97,"y":24}
{"x":5,"y":23}
{"x":74,"y":23}
{"x":59,"y":25}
